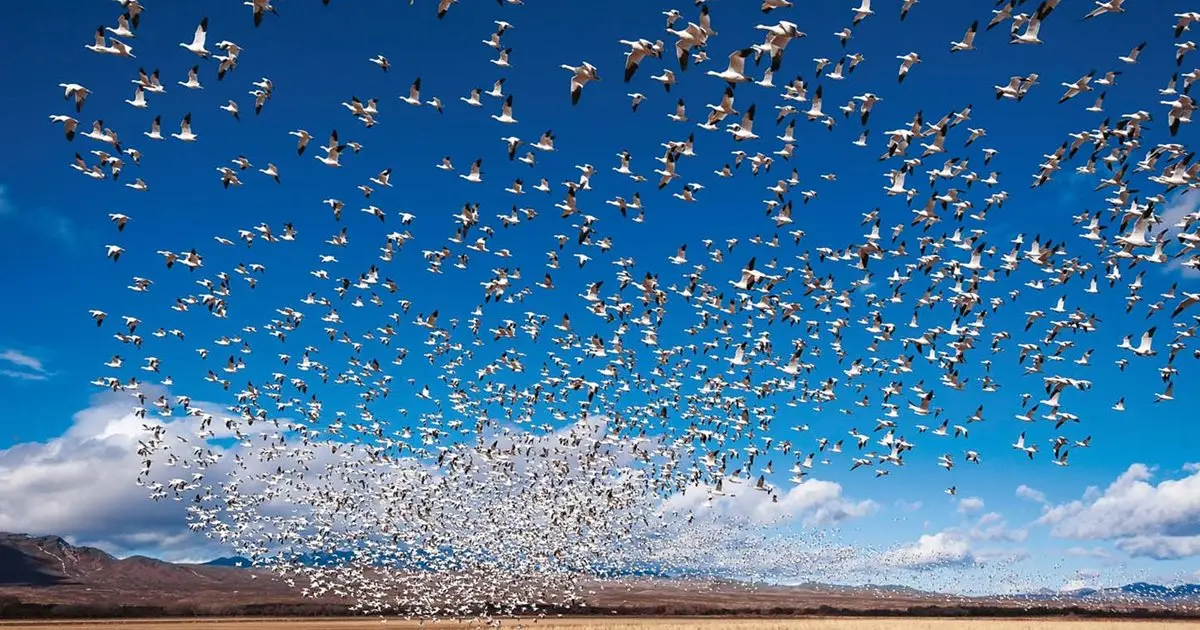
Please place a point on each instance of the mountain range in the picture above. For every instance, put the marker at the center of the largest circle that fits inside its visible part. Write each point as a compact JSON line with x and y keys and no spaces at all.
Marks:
{"x":47,"y":576}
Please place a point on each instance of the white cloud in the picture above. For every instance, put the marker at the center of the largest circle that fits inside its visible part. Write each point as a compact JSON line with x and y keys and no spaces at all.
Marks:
{"x":1160,"y":547}
{"x":1083,"y":579}
{"x":1182,"y":205}
{"x":955,"y":546}
{"x":80,"y":485}
{"x":29,"y":368}
{"x":813,"y":502}
{"x":1144,"y":519}
{"x":1030,"y":494}
{"x":968,"y":505}
{"x":1191,"y":467}
{"x":20,"y":359}
{"x":947,"y":548}
{"x":24,"y":376}
{"x":1089,"y":552}
{"x":992,"y":527}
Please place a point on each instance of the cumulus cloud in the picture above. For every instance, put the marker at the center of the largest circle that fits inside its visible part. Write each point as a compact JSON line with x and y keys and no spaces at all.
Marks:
{"x":993,"y":527}
{"x":813,"y":502}
{"x":1089,"y":552}
{"x":1030,"y":494}
{"x":1160,"y":547}
{"x":1142,"y":518}
{"x":1179,"y":207}
{"x":1084,"y":578}
{"x":967,"y":505}
{"x":80,"y":485}
{"x":943,"y":549}
{"x":19,"y":365}
{"x":957,"y":546}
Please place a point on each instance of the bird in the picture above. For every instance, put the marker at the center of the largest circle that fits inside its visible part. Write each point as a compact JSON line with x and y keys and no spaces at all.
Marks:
{"x":632,"y":361}
{"x":185,"y":129}
{"x":69,"y":125}
{"x":76,"y":92}
{"x":506,"y":112}
{"x":260,"y":8}
{"x":639,"y":50}
{"x":580,"y":76}
{"x":119,"y":219}
{"x":196,"y":46}
{"x":968,"y":40}
{"x":414,"y":93}
{"x":474,"y":175}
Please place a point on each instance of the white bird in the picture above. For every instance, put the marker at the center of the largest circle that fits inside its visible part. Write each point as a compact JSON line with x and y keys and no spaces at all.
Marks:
{"x":1105,"y":6}
{"x":185,"y":129}
{"x":77,"y":92}
{"x":639,"y":50}
{"x":193,"y":79}
{"x":414,"y":94}
{"x":736,"y":71}
{"x":502,"y":59}
{"x":862,"y":11}
{"x":506,"y":112}
{"x":1143,"y":349}
{"x":968,"y":40}
{"x":271,"y":171}
{"x":196,"y":46}
{"x":474,"y":176}
{"x":70,"y":125}
{"x":580,"y":75}
{"x":744,"y":130}
{"x":1132,"y":57}
{"x":906,"y":63}
{"x":473,"y":99}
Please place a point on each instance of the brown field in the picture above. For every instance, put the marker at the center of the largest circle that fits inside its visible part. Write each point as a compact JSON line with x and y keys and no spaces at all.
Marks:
{"x":616,"y":624}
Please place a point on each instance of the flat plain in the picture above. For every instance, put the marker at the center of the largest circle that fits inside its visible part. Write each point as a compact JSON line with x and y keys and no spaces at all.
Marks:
{"x":674,"y":623}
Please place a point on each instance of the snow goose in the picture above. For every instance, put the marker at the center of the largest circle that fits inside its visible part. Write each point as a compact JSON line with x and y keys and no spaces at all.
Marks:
{"x":506,"y":112}
{"x":196,"y":46}
{"x":580,"y":75}
{"x":968,"y":40}
{"x":736,"y":71}
{"x":185,"y":129}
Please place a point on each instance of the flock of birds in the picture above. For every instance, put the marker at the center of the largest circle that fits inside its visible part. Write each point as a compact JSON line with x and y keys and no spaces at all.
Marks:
{"x":526,"y":475}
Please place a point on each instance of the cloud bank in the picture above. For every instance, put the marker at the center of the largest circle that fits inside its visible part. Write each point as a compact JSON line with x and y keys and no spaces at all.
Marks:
{"x":1142,"y":518}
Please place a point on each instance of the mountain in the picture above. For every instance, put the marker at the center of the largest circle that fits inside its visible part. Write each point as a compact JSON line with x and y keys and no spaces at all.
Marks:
{"x":1137,"y":592}
{"x":49,"y":569}
{"x":1144,"y":590}
{"x":229,"y":561}
{"x":45,"y":576}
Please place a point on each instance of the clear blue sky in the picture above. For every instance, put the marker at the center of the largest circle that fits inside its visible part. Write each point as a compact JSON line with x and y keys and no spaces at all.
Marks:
{"x":56,"y":220}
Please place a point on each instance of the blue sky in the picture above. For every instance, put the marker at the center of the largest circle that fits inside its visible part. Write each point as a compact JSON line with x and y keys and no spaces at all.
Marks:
{"x":317,"y":57}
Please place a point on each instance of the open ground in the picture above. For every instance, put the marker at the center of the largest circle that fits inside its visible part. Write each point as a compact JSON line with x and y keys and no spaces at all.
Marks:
{"x":616,"y":624}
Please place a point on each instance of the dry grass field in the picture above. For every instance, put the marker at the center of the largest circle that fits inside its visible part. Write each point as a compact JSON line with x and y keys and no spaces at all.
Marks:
{"x":616,"y":624}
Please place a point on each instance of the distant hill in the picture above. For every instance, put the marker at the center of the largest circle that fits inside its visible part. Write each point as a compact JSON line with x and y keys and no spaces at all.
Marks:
{"x":230,"y":561}
{"x":44,"y":576}
{"x":49,"y":569}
